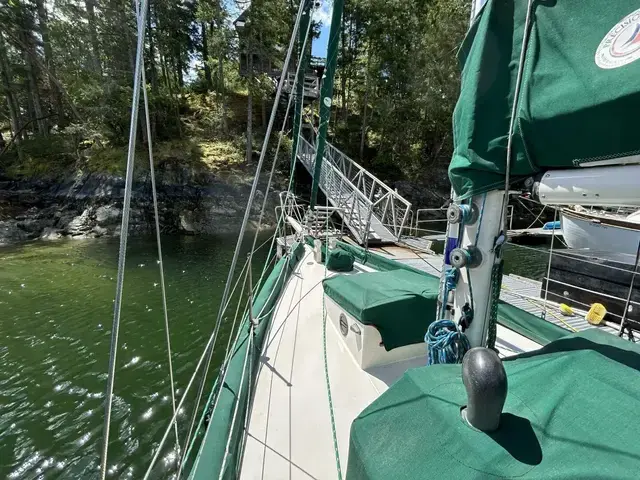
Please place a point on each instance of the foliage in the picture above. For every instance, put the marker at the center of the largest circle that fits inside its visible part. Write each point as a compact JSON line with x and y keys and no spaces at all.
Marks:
{"x":66,"y":76}
{"x":398,"y":80}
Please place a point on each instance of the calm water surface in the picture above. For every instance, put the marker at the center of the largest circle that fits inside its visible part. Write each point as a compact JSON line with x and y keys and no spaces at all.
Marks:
{"x":56,"y":307}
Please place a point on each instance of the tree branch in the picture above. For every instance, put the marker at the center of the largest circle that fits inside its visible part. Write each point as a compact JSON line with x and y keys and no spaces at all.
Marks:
{"x":6,"y":147}
{"x":51,"y":77}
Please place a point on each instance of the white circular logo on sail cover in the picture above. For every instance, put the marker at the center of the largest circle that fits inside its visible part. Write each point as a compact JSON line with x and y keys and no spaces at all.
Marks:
{"x":621,"y":45}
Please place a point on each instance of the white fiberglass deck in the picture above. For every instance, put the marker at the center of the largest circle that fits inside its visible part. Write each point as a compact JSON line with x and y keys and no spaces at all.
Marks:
{"x":289,"y":427}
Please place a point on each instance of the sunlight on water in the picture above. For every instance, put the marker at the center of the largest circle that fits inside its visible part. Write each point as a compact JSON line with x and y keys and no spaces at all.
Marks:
{"x":57,"y":308}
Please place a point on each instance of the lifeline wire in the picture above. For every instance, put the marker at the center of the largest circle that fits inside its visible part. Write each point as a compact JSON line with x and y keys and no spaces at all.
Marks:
{"x":275,"y":157}
{"x":253,"y":249}
{"x":245,"y":219}
{"x":207,"y":353}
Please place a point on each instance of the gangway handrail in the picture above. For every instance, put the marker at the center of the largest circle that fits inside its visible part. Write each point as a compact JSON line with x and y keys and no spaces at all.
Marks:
{"x":366,"y":172}
{"x":345,"y":178}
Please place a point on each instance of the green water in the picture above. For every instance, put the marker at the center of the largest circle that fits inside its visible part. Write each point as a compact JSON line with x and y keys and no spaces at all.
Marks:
{"x":56,"y":307}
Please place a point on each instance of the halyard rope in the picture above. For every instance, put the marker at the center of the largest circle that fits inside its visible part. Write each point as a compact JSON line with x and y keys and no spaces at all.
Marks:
{"x":496,"y":272}
{"x":156,"y":216}
{"x":126,"y":206}
{"x":445,"y":343}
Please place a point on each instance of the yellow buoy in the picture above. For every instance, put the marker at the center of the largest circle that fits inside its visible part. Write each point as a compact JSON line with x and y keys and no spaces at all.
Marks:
{"x":566,"y":309}
{"x":596,"y":314}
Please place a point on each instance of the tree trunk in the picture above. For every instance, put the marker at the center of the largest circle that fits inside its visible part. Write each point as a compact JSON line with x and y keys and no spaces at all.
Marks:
{"x":153,"y":73}
{"x":221,"y":90}
{"x":165,"y":71}
{"x":131,"y":45}
{"x":263,"y":111}
{"x":343,"y":73}
{"x":250,"y":111}
{"x":179,"y":70}
{"x":31,"y":81}
{"x":171,"y":68}
{"x":96,"y":65}
{"x":363,"y":131}
{"x":205,"y":57}
{"x":353,"y":54}
{"x":12,"y":104}
{"x":48,"y":60}
{"x":174,"y":96}
{"x":142,"y":120}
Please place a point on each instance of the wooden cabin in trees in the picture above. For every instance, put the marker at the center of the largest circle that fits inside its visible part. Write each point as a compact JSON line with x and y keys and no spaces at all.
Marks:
{"x":260,"y":58}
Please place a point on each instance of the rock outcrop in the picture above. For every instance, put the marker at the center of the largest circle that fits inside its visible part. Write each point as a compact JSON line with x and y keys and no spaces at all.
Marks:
{"x":90,"y":205}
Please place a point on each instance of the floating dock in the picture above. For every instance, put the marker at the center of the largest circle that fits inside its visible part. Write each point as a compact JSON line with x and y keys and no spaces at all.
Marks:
{"x":521,"y":292}
{"x":521,"y":235}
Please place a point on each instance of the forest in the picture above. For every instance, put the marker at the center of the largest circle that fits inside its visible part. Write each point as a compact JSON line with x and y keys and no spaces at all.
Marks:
{"x":66,"y":80}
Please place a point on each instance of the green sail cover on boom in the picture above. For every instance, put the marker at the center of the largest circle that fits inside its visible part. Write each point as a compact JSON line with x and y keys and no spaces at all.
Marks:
{"x":579,"y":98}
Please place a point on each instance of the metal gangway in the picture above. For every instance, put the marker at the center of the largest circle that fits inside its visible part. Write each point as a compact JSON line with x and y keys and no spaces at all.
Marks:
{"x":311,"y":84}
{"x":370,"y":209}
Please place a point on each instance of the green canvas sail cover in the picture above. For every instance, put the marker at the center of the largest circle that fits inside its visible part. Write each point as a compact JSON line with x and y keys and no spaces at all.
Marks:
{"x":569,"y":414}
{"x":579,"y":98}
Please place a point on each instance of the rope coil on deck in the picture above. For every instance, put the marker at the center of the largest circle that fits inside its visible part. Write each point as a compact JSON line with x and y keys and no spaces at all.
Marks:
{"x":445,"y":343}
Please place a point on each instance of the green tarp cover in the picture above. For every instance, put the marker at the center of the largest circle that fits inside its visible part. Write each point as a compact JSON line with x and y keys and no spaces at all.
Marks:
{"x":570,"y":413}
{"x":529,"y":325}
{"x":339,"y":260}
{"x":399,"y":303}
{"x":380,"y":263}
{"x":580,"y":92}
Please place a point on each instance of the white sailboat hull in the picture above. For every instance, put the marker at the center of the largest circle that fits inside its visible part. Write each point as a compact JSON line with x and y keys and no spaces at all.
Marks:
{"x":589,"y":231}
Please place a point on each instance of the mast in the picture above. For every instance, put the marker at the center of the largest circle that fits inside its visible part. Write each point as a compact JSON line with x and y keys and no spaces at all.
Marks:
{"x":303,"y":59}
{"x":534,"y":121}
{"x":474,"y":227}
{"x":326,"y":95}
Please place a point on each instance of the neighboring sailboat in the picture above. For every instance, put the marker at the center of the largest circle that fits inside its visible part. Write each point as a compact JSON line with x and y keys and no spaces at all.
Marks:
{"x":601,"y":231}
{"x":327,"y":375}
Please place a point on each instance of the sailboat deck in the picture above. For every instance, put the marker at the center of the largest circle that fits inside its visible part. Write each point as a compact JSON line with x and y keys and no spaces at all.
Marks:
{"x":288,"y":432}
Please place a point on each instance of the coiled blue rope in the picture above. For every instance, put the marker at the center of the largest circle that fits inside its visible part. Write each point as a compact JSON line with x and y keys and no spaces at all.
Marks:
{"x":445,"y":343}
{"x":450,"y":282}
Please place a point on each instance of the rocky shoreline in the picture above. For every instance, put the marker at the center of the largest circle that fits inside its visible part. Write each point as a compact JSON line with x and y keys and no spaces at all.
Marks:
{"x":90,"y":205}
